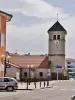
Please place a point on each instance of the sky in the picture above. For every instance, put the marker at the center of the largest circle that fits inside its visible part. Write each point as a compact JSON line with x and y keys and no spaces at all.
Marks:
{"x":27,"y":31}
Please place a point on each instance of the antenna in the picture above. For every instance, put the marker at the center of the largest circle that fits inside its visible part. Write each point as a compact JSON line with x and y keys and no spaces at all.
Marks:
{"x":16,"y":51}
{"x":57,"y":17}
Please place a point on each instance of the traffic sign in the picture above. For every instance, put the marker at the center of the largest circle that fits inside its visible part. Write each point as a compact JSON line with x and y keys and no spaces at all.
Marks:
{"x":8,"y":65}
{"x":58,"y":66}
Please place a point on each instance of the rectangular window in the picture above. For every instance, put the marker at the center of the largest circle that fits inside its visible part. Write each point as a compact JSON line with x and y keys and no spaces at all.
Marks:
{"x":41,"y":74}
{"x":70,"y":70}
{"x":58,"y":37}
{"x":25,"y":74}
{"x":54,"y":37}
{"x":68,"y":62}
{"x":2,"y":39}
{"x":71,"y":66}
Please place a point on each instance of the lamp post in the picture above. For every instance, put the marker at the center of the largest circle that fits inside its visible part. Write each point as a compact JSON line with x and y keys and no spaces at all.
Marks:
{"x":29,"y":73}
{"x":5,"y":60}
{"x":56,"y":42}
{"x":30,"y":66}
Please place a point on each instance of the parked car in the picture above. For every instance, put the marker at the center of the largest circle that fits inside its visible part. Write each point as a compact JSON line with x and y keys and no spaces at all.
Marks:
{"x":73,"y":98}
{"x":8,"y":83}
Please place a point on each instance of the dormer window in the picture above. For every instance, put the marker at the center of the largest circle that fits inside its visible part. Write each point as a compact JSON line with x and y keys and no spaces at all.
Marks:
{"x":58,"y":37}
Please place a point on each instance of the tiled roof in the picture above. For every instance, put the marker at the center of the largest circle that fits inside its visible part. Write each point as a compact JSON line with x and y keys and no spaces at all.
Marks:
{"x":57,"y":27}
{"x":40,"y":61}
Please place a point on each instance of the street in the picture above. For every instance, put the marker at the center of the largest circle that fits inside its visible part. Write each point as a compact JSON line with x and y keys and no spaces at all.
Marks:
{"x":61,"y":90}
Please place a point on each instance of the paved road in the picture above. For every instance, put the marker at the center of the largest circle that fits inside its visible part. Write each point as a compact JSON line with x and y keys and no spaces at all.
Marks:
{"x":60,"y":91}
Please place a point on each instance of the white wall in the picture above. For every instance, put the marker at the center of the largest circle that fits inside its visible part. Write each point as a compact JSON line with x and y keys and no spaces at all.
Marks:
{"x":11,"y":72}
{"x":35,"y":72}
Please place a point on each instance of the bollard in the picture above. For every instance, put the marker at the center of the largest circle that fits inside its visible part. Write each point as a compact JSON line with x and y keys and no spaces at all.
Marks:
{"x":47,"y":83}
{"x":27,"y":85}
{"x":44,"y":83}
{"x":35,"y":84}
{"x":40,"y":84}
{"x":29,"y":82}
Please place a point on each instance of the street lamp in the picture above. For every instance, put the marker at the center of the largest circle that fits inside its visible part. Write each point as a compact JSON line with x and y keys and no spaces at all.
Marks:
{"x":30,"y":66}
{"x":56,"y":42}
{"x":5,"y":60}
{"x":29,"y":73}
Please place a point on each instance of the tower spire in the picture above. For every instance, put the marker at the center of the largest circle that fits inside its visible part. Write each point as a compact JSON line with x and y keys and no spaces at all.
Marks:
{"x":57,"y":17}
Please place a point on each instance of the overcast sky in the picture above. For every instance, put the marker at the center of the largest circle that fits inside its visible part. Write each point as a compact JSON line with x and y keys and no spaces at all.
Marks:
{"x":27,"y":31}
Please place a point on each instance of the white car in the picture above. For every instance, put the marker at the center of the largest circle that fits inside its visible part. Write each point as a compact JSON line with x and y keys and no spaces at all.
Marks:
{"x":8,"y":83}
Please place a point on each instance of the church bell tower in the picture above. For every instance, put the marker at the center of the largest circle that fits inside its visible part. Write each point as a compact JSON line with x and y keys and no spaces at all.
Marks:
{"x":56,"y":48}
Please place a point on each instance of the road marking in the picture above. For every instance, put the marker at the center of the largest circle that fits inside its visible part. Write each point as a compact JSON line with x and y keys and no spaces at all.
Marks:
{"x":63,"y":89}
{"x":73,"y":89}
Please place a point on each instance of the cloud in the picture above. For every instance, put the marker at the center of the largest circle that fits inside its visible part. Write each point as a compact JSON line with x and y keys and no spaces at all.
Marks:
{"x":27,"y":39}
{"x":38,"y":8}
{"x":41,"y":9}
{"x":34,"y":39}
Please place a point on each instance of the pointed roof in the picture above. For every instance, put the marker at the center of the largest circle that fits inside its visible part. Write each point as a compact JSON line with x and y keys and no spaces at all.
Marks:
{"x":57,"y":27}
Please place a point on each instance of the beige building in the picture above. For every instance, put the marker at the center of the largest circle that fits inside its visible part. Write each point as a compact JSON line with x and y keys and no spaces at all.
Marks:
{"x":29,"y":67}
{"x":56,"y":48}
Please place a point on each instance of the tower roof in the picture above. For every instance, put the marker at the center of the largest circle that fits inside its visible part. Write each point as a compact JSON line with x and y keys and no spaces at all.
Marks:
{"x":57,"y":27}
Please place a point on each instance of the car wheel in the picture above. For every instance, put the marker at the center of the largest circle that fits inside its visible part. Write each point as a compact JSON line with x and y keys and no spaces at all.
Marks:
{"x":9,"y":88}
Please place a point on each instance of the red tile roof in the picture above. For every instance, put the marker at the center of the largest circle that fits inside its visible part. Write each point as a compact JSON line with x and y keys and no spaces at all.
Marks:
{"x":39,"y":61}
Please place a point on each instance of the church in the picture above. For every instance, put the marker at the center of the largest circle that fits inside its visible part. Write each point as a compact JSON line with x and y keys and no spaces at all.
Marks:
{"x":42,"y":67}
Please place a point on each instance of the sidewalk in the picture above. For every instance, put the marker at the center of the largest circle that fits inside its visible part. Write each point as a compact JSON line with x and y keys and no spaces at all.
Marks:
{"x":23,"y":85}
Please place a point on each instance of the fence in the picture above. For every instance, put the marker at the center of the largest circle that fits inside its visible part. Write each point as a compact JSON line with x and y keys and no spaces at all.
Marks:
{"x":34,"y":85}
